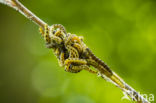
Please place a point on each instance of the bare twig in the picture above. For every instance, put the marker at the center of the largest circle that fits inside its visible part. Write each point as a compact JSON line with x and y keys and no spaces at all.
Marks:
{"x":23,"y":10}
{"x":114,"y":78}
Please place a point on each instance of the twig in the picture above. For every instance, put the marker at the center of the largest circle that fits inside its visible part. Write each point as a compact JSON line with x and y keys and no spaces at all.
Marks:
{"x":23,"y":10}
{"x":114,"y":78}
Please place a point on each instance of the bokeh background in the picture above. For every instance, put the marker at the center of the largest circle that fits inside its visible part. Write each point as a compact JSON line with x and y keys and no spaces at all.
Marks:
{"x":120,"y":32}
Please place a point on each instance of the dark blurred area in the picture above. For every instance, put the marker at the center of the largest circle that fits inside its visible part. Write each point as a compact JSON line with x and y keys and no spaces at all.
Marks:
{"x":120,"y":32}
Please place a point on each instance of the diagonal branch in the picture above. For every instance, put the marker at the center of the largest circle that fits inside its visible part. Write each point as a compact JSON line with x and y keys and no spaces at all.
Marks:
{"x":23,"y":10}
{"x":115,"y":79}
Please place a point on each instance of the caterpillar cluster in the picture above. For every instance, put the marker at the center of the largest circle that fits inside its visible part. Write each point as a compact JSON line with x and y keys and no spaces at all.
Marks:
{"x":67,"y":47}
{"x":70,"y":50}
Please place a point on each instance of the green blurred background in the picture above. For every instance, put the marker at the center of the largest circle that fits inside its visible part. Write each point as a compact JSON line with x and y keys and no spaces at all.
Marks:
{"x":120,"y":32}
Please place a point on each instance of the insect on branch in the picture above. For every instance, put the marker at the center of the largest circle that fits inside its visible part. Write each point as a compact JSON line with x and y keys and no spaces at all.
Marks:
{"x":72,"y":53}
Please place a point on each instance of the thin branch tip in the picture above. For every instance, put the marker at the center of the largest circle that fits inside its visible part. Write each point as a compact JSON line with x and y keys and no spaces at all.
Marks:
{"x":15,"y":4}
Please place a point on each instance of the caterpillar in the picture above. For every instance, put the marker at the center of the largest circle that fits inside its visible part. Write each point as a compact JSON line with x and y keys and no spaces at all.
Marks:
{"x":99,"y":61}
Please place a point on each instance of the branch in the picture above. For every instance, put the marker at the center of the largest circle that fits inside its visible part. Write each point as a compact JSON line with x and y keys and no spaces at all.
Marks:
{"x":128,"y":90}
{"x":114,"y":78}
{"x":15,"y":4}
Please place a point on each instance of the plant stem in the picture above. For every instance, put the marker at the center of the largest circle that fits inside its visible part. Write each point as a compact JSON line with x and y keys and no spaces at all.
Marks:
{"x":23,"y":10}
{"x":115,"y":79}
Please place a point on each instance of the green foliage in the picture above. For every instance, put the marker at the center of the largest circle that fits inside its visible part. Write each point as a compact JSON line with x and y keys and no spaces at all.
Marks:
{"x":120,"y":32}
